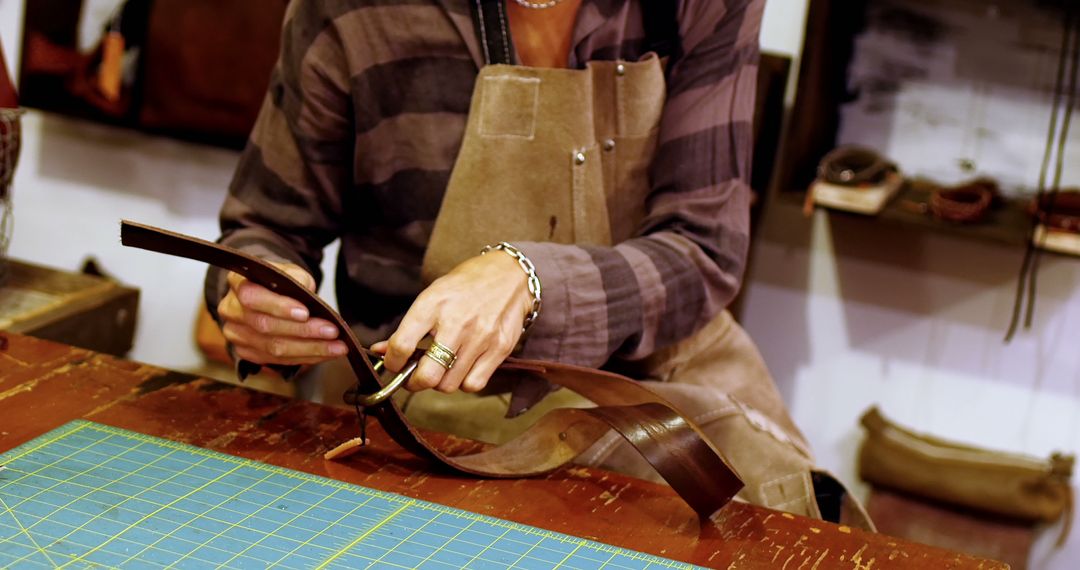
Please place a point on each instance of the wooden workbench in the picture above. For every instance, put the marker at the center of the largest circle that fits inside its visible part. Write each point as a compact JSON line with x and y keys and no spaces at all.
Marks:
{"x":44,"y":385}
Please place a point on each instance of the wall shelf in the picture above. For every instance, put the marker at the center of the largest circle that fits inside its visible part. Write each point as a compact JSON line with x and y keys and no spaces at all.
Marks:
{"x":826,"y":92}
{"x":1007,"y":223}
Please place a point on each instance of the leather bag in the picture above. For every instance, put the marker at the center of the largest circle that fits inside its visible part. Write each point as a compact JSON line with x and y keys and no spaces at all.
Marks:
{"x":1007,"y":484}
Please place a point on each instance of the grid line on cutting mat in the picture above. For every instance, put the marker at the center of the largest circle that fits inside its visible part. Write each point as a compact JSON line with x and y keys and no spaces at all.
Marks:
{"x":87,"y":495}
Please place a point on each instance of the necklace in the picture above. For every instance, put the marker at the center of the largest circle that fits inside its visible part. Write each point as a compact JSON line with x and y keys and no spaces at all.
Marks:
{"x":537,"y":5}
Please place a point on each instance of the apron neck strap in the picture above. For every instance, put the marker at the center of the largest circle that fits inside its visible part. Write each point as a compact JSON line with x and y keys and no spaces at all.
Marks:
{"x":658,"y":16}
{"x":489,"y":17}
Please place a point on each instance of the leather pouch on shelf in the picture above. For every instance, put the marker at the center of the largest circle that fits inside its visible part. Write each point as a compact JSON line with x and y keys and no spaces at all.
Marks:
{"x":1007,"y":484}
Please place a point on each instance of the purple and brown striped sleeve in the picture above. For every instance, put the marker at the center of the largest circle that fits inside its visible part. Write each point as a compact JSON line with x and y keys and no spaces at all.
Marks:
{"x":686,"y":263}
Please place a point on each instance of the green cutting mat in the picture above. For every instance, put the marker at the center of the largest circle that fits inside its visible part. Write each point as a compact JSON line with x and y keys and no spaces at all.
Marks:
{"x":87,"y":495}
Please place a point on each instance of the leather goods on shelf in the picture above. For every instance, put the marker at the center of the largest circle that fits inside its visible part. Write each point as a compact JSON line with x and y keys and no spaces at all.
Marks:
{"x":201,"y":67}
{"x":854,"y":166}
{"x":105,"y":78}
{"x":855,"y":179}
{"x":1007,"y":484}
{"x":1057,"y":217}
{"x":1058,"y":210}
{"x":672,"y":444}
{"x":966,"y":203}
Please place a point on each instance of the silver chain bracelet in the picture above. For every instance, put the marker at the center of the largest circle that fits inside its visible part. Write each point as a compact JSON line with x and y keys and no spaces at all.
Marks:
{"x":530,"y":270}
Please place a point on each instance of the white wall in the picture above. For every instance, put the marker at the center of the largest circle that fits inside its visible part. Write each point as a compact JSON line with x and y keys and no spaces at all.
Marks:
{"x":847,"y":314}
{"x":11,"y":13}
{"x":783,"y":25}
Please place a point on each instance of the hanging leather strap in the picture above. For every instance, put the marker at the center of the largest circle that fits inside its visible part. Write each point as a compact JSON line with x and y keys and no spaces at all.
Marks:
{"x":672,"y":444}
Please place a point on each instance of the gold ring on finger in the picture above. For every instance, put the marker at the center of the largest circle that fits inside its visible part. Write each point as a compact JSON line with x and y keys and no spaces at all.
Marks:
{"x":441,"y":354}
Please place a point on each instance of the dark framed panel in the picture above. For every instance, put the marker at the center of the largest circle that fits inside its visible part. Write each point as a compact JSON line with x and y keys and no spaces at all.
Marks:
{"x":193,"y":69}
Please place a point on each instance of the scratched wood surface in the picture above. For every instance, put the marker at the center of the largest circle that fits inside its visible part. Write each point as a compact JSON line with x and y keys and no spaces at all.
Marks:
{"x":44,"y":385}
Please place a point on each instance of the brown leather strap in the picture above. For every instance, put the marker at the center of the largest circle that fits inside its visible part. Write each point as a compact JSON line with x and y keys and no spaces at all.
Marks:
{"x":966,"y":203}
{"x":672,"y":444}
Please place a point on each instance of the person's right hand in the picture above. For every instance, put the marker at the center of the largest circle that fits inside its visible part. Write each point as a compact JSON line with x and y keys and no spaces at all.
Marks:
{"x":267,"y":328}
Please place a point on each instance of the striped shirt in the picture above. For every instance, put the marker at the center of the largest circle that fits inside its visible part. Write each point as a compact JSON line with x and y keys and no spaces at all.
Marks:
{"x":363,"y":121}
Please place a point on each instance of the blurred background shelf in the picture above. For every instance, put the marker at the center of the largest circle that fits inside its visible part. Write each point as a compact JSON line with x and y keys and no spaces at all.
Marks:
{"x":1007,"y":223}
{"x":950,"y":90}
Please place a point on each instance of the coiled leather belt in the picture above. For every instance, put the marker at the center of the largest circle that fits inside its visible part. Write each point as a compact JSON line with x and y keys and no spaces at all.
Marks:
{"x":671,"y":443}
{"x":967,"y":203}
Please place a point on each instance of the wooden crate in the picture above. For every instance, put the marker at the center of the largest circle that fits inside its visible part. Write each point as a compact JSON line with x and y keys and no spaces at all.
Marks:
{"x":72,"y":308}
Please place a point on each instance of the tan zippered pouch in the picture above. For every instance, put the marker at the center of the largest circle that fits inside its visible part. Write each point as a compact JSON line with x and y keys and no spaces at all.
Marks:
{"x":1008,"y":484}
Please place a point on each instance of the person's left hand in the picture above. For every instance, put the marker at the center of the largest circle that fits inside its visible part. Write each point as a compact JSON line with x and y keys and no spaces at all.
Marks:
{"x":477,"y":311}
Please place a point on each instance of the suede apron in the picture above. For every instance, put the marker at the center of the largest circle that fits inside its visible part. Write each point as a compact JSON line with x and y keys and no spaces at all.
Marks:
{"x":562,"y":155}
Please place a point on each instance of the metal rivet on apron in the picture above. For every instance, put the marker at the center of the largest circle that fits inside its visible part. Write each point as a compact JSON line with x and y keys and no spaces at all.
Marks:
{"x":579,"y":158}
{"x":609,"y":144}
{"x":620,"y":69}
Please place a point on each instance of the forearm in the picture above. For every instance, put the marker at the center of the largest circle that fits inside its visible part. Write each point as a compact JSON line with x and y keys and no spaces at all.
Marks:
{"x":634,"y":298}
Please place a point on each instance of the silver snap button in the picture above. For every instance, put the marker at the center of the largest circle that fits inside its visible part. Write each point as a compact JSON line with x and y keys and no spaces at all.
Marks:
{"x":609,"y":145}
{"x":579,"y":158}
{"x":620,"y":69}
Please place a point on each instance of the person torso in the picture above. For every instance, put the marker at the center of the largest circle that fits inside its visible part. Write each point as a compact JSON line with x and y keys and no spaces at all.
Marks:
{"x":412,"y":69}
